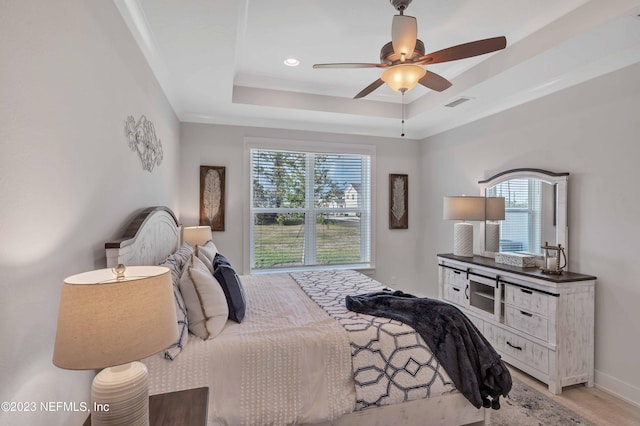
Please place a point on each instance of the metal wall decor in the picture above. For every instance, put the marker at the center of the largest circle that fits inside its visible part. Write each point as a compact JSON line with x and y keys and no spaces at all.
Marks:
{"x":398,"y":201}
{"x":142,"y":138}
{"x":212,"y":184}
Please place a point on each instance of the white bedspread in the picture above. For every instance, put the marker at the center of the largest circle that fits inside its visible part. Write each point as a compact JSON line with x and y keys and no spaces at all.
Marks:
{"x":287,"y":362}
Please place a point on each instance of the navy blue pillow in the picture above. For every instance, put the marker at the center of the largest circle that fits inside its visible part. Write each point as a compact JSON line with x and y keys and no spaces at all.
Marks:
{"x":220,"y":259}
{"x":233,"y":291}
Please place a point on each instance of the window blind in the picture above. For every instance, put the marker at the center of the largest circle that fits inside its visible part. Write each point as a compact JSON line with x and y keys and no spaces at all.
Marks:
{"x":309,"y":209}
{"x":521,"y":229}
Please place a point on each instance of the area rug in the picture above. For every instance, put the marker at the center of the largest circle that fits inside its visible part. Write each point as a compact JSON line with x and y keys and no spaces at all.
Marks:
{"x":526,"y":406}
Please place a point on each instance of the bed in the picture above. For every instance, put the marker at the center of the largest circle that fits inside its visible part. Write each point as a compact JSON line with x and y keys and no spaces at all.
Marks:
{"x":292,"y":360}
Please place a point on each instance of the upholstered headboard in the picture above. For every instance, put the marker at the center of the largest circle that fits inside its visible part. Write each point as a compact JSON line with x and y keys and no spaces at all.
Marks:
{"x":148,"y":239}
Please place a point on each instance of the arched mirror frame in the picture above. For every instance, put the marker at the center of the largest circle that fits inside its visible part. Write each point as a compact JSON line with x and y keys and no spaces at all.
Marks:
{"x":560,"y":180}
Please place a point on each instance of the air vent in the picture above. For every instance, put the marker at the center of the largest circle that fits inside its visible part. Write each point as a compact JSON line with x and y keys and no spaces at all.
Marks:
{"x":458,"y":102}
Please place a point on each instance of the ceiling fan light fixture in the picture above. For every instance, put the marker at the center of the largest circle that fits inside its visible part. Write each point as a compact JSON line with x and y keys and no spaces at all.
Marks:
{"x":403,"y":77}
{"x":404,"y":32}
{"x":403,"y":56}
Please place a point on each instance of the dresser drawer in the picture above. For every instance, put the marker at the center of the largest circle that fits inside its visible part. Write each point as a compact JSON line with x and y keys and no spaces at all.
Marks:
{"x":529,"y":300}
{"x":522,"y":320}
{"x":456,"y":278}
{"x":517,"y":347}
{"x":455,"y":294}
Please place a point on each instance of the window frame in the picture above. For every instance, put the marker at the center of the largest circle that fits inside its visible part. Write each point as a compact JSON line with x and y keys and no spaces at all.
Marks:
{"x":251,"y":143}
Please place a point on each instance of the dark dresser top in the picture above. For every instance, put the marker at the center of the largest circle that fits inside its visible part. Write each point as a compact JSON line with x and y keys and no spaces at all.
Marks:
{"x":533,"y":272}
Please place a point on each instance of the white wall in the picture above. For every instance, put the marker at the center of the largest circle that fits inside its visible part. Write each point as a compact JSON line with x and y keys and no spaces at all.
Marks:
{"x":70,"y":75}
{"x":592,"y":131}
{"x":397,"y":251}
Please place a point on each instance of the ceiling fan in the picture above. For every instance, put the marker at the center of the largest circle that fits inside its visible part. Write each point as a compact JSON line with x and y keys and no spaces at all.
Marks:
{"x":403,"y":58}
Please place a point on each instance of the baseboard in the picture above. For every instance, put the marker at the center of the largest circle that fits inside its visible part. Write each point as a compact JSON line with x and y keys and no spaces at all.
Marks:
{"x":617,"y":388}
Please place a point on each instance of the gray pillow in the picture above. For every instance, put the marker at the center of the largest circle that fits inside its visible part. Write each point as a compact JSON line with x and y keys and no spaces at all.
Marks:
{"x":175,"y":262}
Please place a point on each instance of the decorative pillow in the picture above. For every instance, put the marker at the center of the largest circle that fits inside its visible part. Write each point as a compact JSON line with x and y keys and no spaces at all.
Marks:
{"x":206,"y":261}
{"x":220,"y":259}
{"x":183,"y":254}
{"x":233,"y":291}
{"x":208,"y":249}
{"x":175,"y":263}
{"x":206,"y":303}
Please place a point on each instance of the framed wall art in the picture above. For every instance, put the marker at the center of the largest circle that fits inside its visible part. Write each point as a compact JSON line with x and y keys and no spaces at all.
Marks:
{"x":212,"y":197}
{"x":398,"y":201}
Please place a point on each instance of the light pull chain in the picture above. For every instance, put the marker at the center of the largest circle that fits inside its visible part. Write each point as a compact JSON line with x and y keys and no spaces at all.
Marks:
{"x":402,"y":134}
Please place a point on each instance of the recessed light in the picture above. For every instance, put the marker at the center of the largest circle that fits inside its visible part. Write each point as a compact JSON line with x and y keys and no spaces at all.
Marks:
{"x":291,"y":62}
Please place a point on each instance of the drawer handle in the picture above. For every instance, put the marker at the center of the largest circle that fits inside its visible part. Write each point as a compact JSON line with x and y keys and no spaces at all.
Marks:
{"x":456,"y":272}
{"x":513,"y":346}
{"x":455,"y":288}
{"x":526,"y":291}
{"x":526,"y":314}
{"x":466,"y":291}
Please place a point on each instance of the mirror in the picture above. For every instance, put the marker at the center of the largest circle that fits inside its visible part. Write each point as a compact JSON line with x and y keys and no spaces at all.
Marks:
{"x":535,"y":211}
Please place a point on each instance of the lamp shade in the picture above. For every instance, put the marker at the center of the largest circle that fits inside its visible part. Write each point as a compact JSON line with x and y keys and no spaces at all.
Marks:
{"x":463,"y":208}
{"x":495,"y":208}
{"x":403,"y":77}
{"x":104,"y":321}
{"x":404,"y":32}
{"x":196,"y":235}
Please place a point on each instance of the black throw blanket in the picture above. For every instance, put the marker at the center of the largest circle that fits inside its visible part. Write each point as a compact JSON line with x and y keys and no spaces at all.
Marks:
{"x":472,"y":363}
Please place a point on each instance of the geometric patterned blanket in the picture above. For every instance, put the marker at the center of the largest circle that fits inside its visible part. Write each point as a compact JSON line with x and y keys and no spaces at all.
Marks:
{"x":391,"y":362}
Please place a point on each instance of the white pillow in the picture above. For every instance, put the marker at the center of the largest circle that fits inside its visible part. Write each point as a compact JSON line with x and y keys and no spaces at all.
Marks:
{"x":205,"y":260}
{"x":208,"y":250}
{"x":207,"y":309}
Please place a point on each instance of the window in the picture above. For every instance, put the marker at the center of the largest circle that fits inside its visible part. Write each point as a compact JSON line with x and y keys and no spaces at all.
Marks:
{"x":309,"y":209}
{"x":521,"y":229}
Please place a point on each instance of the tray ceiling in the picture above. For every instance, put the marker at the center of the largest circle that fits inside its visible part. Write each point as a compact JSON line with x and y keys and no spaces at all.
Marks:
{"x":222,"y":61}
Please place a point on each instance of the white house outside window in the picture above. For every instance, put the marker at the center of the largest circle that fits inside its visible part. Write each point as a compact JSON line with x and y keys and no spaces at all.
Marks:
{"x":309,"y":209}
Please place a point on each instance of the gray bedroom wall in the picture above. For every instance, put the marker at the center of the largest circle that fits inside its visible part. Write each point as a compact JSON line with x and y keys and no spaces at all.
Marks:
{"x":71,"y":74}
{"x":397,"y":257}
{"x":591,"y":131}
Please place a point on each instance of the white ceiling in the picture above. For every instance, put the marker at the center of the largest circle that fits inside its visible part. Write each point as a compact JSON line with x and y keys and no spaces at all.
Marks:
{"x":221,"y":61}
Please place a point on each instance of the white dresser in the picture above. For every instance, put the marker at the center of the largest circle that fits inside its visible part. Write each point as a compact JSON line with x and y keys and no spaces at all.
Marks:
{"x":541,"y":324}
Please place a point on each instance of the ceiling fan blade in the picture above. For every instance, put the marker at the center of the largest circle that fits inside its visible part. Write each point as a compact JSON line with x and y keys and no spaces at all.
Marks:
{"x":404,"y":32}
{"x":434,"y":81}
{"x":466,"y":50}
{"x":370,"y":88}
{"x":350,"y":65}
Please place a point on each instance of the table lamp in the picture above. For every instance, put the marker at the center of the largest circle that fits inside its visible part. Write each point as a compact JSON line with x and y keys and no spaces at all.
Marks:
{"x":111,"y":319}
{"x":196,"y":235}
{"x":494,"y":211}
{"x":463,"y":208}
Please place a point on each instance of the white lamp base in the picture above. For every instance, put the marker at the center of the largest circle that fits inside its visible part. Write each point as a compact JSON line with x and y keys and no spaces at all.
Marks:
{"x":120,"y":396}
{"x":492,"y":237}
{"x":463,"y":239}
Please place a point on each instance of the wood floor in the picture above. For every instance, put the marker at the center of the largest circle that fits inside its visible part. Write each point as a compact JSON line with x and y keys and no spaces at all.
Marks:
{"x":593,"y":404}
